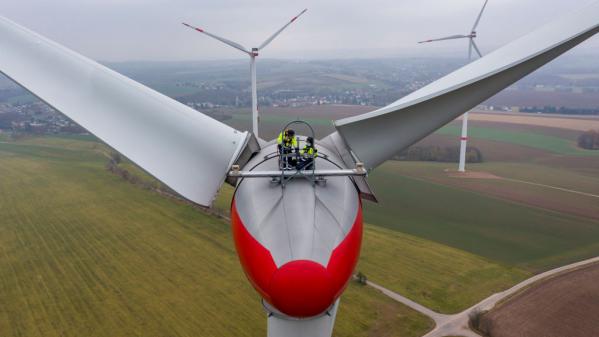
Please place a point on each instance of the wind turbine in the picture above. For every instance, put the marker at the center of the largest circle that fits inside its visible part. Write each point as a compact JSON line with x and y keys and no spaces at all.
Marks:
{"x":297,"y":242}
{"x":471,"y":45}
{"x":253,"y":53}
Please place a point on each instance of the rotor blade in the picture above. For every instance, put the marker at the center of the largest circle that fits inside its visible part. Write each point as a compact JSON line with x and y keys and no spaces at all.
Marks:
{"x":187,"y":150}
{"x":476,"y":48}
{"x":269,"y":40}
{"x":453,"y":37}
{"x":479,"y":16}
{"x":377,"y":136}
{"x":221,"y":39}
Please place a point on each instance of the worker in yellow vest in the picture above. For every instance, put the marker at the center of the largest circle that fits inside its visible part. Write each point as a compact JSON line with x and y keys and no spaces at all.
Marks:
{"x":307,"y":155}
{"x":287,"y":144}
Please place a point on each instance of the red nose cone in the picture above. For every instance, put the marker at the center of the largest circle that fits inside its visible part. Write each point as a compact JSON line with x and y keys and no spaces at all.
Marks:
{"x":302,"y":289}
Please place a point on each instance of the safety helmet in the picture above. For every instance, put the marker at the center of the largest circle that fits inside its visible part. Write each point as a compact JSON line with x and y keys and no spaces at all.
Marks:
{"x":310,"y":140}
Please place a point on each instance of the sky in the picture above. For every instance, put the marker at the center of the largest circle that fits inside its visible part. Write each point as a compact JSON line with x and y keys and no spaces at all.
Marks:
{"x":151,"y":30}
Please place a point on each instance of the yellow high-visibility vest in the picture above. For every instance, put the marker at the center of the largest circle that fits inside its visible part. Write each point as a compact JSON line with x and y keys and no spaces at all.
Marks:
{"x":310,"y":151}
{"x":287,"y":141}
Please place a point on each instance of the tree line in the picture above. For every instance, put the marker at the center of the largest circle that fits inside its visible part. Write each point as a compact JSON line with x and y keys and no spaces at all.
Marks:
{"x":589,"y":140}
{"x":449,"y":154}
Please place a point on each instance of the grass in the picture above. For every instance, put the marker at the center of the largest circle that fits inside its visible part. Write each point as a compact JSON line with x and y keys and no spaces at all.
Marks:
{"x":442,"y":278}
{"x":585,"y":181}
{"x":544,"y":142}
{"x":496,"y":229}
{"x":83,"y":253}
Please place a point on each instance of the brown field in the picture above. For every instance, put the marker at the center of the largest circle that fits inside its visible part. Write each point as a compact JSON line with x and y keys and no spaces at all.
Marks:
{"x":587,"y":165}
{"x":492,"y":151}
{"x":566,"y":305}
{"x":543,"y":130}
{"x":550,"y":199}
{"x":586,"y":100}
{"x":505,"y":187}
{"x":571,"y":123}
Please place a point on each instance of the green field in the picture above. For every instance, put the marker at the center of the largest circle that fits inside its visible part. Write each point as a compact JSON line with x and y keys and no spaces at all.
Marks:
{"x":84,"y":253}
{"x":584,"y":179}
{"x":552,"y":144}
{"x":442,"y":278}
{"x":496,"y":229}
{"x":87,"y":253}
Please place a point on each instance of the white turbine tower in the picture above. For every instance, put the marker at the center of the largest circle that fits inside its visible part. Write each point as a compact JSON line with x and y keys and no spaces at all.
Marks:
{"x":471,"y":45}
{"x":253,"y":53}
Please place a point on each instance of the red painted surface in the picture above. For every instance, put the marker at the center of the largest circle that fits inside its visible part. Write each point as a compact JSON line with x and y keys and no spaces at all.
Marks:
{"x":256,"y":260}
{"x":302,"y":289}
{"x":299,"y":288}
{"x":345,"y":257}
{"x":463,"y":138}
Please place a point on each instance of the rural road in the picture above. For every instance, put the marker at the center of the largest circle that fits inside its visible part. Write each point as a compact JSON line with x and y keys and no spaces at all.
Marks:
{"x":457,"y":325}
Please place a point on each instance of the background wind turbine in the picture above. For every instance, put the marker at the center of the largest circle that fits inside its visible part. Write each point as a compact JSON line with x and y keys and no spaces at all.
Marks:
{"x":471,"y":45}
{"x":253,"y":53}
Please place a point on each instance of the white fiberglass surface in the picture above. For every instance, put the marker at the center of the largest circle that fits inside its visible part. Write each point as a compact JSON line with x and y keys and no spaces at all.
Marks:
{"x":301,"y":221}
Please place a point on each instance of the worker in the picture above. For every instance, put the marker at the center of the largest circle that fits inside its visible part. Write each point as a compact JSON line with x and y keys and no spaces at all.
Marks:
{"x":307,"y":155}
{"x":287,"y":144}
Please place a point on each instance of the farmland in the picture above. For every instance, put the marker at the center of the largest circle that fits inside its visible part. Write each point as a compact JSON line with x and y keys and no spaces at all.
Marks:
{"x":86,"y":254}
{"x":552,"y":144}
{"x":442,"y":278}
{"x":569,"y":308}
{"x":530,"y":184}
{"x":498,"y":229}
{"x":568,"y":123}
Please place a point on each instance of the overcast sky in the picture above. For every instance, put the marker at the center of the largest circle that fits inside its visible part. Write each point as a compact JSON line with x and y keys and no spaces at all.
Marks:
{"x":120,"y":30}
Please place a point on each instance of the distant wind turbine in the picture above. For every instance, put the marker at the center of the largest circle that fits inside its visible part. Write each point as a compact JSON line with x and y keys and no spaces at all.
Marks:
{"x":471,"y":45}
{"x":253,"y":53}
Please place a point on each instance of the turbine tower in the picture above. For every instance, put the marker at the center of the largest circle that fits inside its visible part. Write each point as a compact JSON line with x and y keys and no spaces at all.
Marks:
{"x":253,"y":53}
{"x":471,"y":45}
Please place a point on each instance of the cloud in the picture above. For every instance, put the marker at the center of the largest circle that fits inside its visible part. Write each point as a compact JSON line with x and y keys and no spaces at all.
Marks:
{"x":116,"y":30}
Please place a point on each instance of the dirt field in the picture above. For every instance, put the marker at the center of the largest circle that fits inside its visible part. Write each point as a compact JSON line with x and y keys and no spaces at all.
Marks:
{"x":543,"y":130}
{"x":586,"y":100}
{"x":492,"y":151}
{"x":571,"y":123}
{"x":564,"y":306}
{"x":533,"y":192}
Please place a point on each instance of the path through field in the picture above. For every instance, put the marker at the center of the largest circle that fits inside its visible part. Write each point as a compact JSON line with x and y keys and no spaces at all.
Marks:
{"x":551,"y":187}
{"x":458,"y":324}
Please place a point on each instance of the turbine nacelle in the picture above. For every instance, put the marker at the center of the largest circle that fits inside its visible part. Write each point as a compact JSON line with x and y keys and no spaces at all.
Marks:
{"x":471,"y":36}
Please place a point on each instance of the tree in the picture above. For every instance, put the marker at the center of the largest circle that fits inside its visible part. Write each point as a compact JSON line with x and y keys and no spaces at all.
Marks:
{"x":589,"y":140}
{"x":115,"y":157}
{"x":361,"y":278}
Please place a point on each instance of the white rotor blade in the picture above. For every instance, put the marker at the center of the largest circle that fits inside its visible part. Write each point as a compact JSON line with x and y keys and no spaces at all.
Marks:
{"x":269,"y":40}
{"x":479,"y":16}
{"x":453,"y":37}
{"x":377,"y":136}
{"x":185,"y":149}
{"x":221,"y":39}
